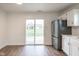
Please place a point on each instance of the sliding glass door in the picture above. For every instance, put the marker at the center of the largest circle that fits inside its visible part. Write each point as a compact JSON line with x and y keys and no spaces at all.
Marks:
{"x":34,"y":31}
{"x":30,"y":31}
{"x":39,"y":27}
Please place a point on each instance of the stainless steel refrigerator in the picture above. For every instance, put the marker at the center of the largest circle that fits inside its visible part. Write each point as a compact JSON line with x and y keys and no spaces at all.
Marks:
{"x":58,"y":28}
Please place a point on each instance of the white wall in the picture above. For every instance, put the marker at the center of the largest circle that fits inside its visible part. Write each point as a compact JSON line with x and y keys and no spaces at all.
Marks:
{"x":16,"y":26}
{"x":3,"y":29}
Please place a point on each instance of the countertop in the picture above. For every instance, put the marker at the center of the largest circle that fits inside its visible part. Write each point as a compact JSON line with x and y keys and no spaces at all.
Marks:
{"x":72,"y":36}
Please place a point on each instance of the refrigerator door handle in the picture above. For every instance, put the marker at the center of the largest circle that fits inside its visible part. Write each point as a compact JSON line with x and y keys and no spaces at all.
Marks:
{"x":54,"y":36}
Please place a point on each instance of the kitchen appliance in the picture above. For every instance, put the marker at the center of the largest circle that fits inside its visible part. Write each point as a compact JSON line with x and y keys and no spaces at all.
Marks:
{"x":58,"y":28}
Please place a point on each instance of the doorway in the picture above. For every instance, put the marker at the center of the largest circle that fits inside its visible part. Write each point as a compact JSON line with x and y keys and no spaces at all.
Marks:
{"x":34,"y":31}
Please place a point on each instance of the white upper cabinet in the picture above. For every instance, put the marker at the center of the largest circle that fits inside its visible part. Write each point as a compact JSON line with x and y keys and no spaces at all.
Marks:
{"x":73,"y":17}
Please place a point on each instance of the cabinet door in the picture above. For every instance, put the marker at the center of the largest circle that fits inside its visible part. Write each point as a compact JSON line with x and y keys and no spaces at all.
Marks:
{"x":74,"y":51}
{"x":73,"y":17}
{"x":76,"y":17}
{"x":74,"y":47}
{"x":65,"y":45}
{"x":70,"y":18}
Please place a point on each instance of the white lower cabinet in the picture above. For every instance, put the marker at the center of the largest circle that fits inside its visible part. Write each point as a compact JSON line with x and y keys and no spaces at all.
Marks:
{"x":74,"y":47}
{"x":74,"y":51}
{"x":70,"y":45}
{"x":65,"y":45}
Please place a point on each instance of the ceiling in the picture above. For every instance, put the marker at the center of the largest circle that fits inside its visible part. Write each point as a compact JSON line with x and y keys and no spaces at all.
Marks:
{"x":34,"y":7}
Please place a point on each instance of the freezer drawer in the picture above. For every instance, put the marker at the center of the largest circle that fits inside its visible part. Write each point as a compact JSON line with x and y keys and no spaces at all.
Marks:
{"x":55,"y":42}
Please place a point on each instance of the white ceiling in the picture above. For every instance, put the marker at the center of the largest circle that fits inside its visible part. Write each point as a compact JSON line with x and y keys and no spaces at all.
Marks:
{"x":34,"y":7}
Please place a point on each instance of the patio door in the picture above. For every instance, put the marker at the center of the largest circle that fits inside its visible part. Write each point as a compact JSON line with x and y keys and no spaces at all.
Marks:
{"x":34,"y":31}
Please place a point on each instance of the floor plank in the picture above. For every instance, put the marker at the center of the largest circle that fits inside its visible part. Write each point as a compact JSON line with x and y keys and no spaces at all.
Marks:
{"x":31,"y":50}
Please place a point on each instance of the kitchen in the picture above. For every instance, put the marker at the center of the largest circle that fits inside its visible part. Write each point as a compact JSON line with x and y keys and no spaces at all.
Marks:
{"x":70,"y":40}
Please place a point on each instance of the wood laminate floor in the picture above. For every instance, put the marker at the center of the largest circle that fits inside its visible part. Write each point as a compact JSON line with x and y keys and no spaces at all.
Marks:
{"x":37,"y":50}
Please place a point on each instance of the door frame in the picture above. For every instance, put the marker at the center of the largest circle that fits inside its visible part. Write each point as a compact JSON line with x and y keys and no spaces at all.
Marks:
{"x":34,"y":31}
